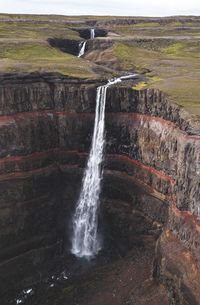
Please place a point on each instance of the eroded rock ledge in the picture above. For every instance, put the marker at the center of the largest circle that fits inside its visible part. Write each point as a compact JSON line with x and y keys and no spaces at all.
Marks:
{"x":152,"y":165}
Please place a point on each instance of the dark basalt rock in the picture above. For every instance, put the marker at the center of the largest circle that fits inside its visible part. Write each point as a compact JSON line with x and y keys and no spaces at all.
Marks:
{"x":65,"y":45}
{"x":132,"y":20}
{"x":151,"y":182}
{"x":85,"y":32}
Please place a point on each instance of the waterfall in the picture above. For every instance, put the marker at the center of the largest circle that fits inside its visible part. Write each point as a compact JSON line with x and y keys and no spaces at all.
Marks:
{"x":82,"y":48}
{"x":85,"y":240}
{"x":92,"y":33}
{"x":82,"y":44}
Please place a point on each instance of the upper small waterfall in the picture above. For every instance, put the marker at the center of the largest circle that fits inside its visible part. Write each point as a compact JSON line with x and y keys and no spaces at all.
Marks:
{"x":85,"y":241}
{"x":92,"y":33}
{"x":82,"y":45}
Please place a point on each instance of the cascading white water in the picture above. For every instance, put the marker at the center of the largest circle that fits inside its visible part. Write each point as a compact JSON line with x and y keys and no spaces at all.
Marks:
{"x":82,"y":44}
{"x":92,"y":33}
{"x":85,"y":241}
{"x":82,"y":48}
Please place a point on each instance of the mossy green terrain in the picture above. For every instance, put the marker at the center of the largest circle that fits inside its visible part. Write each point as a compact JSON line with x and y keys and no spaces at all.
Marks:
{"x":160,"y":27}
{"x":165,"y":50}
{"x":171,"y":66}
{"x":24,"y":47}
{"x":36,"y":30}
{"x":39,"y":56}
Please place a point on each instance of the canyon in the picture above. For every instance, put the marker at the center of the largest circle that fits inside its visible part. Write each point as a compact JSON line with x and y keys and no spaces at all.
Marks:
{"x":149,"y":216}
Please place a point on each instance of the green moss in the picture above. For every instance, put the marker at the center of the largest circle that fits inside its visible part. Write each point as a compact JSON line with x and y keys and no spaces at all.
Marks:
{"x":30,"y":52}
{"x":175,"y":24}
{"x":132,"y":57}
{"x":173,"y":68}
{"x":173,"y":49}
{"x":36,"y":30}
{"x":30,"y":57}
{"x":125,"y":55}
{"x":24,"y":48}
{"x":158,"y":28}
{"x":147,"y":24}
{"x":150,"y":82}
{"x":140,"y":86}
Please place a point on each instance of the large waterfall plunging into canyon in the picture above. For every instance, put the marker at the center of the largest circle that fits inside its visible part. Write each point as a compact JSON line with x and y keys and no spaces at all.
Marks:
{"x":85,"y":241}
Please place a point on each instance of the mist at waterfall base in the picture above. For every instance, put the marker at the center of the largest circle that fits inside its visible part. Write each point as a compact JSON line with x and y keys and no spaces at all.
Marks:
{"x":86,"y":241}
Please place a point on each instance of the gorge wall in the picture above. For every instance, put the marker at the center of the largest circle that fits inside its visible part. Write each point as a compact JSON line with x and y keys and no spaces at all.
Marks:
{"x":151,"y":175}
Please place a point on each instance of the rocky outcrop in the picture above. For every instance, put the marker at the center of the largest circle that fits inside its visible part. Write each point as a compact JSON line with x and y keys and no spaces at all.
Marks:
{"x":136,"y":20}
{"x":98,"y":44}
{"x":32,"y":209}
{"x":65,"y":45}
{"x":151,"y":175}
{"x":85,"y":32}
{"x":72,"y":46}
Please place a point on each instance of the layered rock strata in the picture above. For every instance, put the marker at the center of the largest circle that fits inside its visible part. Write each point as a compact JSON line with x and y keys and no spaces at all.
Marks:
{"x":151,"y":174}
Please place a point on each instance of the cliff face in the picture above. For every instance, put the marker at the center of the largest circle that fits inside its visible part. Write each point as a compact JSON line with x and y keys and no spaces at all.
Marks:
{"x":151,"y":175}
{"x":33,"y":217}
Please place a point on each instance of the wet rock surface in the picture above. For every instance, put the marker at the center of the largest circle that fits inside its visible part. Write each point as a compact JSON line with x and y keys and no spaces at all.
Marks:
{"x":108,"y":279}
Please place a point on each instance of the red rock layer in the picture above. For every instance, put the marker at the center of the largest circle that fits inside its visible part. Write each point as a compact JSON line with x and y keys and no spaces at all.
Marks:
{"x":12,"y":167}
{"x":143,"y":149}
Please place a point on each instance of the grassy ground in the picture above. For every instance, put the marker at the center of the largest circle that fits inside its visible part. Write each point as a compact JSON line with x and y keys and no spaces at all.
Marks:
{"x":24,"y":47}
{"x":158,"y":30}
{"x":39,"y":56}
{"x":174,"y":67}
{"x":35,"y":30}
{"x":167,"y":50}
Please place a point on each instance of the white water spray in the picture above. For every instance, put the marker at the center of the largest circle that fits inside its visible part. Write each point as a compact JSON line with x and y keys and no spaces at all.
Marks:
{"x":85,"y":240}
{"x":82,"y":46}
{"x":92,"y":33}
